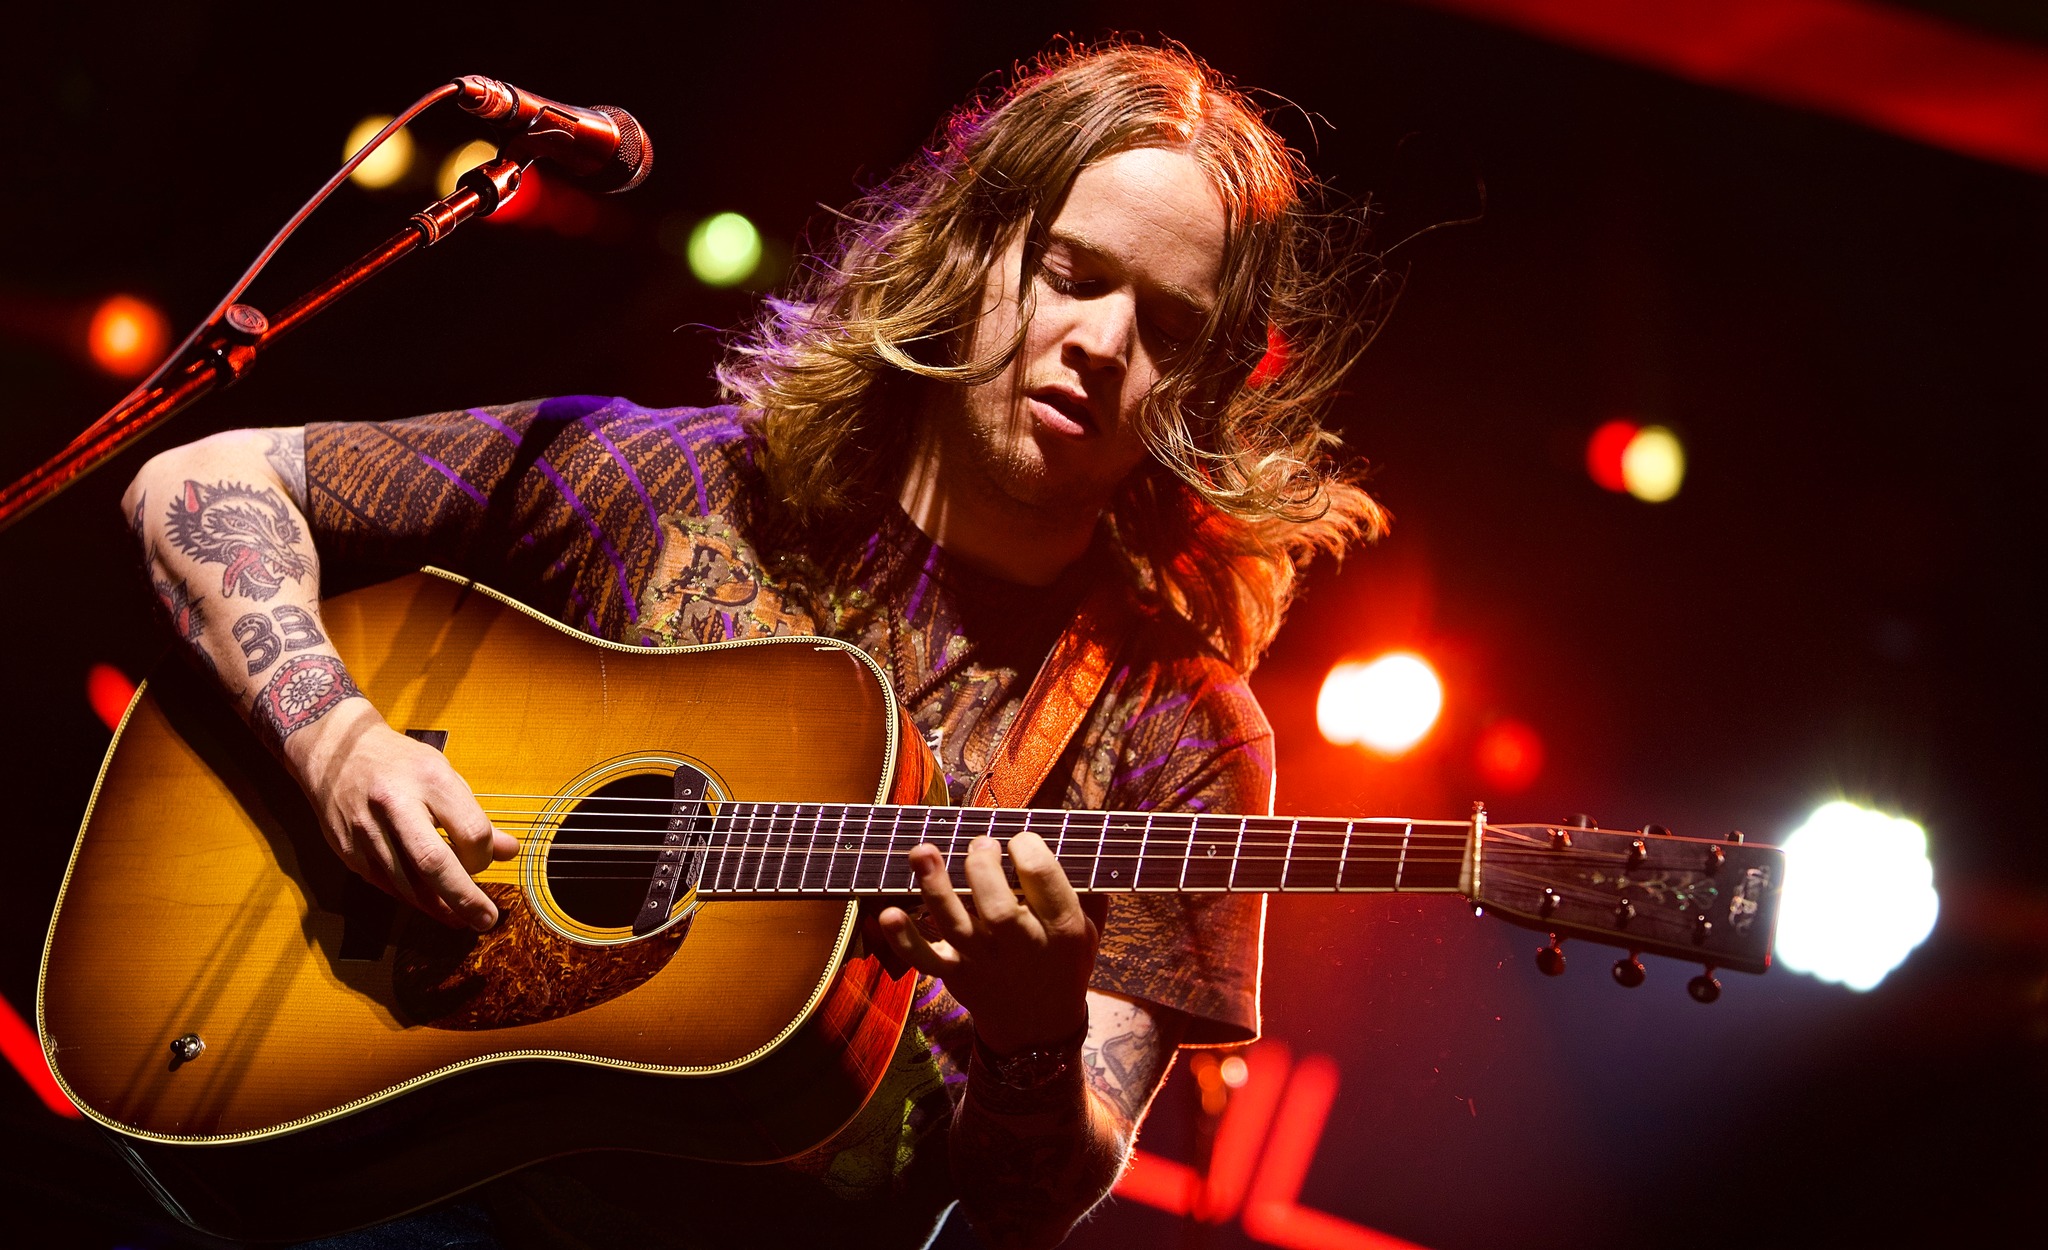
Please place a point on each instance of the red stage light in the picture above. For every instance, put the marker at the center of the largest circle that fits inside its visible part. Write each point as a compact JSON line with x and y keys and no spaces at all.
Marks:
{"x":1604,"y":452}
{"x":109,"y":691}
{"x":21,"y":1047}
{"x":1509,"y":756}
{"x":127,"y":336}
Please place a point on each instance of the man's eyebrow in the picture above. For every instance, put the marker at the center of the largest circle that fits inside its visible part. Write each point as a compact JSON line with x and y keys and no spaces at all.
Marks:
{"x":1172,"y":290}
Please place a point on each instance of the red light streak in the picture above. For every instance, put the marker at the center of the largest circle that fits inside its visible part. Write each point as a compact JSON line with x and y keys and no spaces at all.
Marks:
{"x":18,"y":1043}
{"x":1877,"y":64}
{"x":1264,"y":1146}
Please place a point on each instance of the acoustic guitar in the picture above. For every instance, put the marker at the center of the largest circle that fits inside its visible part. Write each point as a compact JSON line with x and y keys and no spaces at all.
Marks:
{"x":282,"y":1052}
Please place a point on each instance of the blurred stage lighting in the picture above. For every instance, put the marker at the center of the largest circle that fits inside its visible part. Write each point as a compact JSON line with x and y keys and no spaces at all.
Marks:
{"x":126,"y":336}
{"x":1509,"y":756}
{"x":1653,"y":464}
{"x":461,"y":161}
{"x":109,"y":691}
{"x":1859,"y":895}
{"x":387,"y":164}
{"x":1646,"y":461}
{"x":1604,"y":452}
{"x":1387,"y":704}
{"x":724,"y":250}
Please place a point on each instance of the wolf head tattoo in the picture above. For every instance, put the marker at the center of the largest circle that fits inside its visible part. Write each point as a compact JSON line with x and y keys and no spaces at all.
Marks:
{"x":246,"y":529}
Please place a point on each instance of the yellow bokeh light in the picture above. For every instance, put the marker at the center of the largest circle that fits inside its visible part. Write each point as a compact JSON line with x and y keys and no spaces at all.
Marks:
{"x":1653,"y":464}
{"x":387,"y":164}
{"x":1388,"y":704}
{"x":461,"y":161}
{"x":724,"y":250}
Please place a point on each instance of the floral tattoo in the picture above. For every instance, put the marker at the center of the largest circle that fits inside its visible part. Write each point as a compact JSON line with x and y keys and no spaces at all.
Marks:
{"x":304,"y":689}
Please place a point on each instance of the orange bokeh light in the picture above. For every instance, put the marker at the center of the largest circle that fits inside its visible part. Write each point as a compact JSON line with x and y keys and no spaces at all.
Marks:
{"x":127,"y":336}
{"x":1509,"y":755}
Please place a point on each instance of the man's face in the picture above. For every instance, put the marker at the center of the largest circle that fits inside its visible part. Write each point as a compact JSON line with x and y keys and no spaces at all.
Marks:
{"x":1132,"y":267}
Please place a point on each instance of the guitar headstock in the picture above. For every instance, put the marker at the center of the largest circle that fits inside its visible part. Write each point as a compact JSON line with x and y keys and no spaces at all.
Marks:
{"x":1708,"y":901}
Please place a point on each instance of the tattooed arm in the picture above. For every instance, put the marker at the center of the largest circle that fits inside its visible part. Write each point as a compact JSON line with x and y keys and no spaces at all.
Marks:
{"x":1030,"y":1158}
{"x":222,"y":527}
{"x":1031,"y":1164}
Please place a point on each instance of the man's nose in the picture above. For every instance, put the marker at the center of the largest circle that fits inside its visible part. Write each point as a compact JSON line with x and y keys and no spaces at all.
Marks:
{"x":1104,"y":329}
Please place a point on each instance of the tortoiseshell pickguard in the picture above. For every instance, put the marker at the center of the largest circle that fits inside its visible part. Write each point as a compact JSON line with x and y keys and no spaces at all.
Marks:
{"x":521,"y":972}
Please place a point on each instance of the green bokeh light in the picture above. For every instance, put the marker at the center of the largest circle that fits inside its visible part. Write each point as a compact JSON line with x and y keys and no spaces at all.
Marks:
{"x":724,"y":250}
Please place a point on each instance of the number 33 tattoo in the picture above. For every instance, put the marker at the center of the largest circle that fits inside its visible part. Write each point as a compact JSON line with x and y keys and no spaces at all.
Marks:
{"x":261,"y":644}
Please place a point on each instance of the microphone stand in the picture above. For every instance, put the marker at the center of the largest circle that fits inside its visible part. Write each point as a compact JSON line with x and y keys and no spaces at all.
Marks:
{"x":222,"y":357}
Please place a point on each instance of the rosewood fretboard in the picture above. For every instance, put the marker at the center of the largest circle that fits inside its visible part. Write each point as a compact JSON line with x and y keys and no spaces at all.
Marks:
{"x":859,"y":849}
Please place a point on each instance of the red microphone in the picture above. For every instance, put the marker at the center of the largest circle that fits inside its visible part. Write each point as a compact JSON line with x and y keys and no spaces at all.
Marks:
{"x":602,"y":147}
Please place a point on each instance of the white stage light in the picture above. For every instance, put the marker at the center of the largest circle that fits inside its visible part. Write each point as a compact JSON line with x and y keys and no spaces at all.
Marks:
{"x":1859,"y":895}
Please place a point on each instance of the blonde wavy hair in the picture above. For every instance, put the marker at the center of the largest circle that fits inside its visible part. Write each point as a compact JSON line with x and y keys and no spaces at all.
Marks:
{"x":1240,"y":492}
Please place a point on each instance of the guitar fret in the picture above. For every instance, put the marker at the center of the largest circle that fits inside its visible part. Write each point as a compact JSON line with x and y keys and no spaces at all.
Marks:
{"x":1237,"y":852}
{"x":1211,"y":869}
{"x":1312,"y":866}
{"x":1287,"y":860}
{"x":761,"y":852}
{"x":1401,"y":864}
{"x":1101,"y":836}
{"x":803,"y":868}
{"x":1344,"y":855}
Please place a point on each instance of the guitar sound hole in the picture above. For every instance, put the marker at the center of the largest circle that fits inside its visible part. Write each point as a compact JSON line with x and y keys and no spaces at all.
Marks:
{"x":603,"y":855}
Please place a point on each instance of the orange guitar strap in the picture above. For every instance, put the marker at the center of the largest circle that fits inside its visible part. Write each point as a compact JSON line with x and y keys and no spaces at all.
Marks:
{"x":1057,"y":702}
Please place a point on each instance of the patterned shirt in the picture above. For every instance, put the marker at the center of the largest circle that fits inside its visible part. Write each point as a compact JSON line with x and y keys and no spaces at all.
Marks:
{"x":655,"y":527}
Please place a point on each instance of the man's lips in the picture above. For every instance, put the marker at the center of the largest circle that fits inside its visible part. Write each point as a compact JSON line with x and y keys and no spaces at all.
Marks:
{"x":1062,"y":412}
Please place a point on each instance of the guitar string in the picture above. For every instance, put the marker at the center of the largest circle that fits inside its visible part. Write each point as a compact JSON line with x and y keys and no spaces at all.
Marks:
{"x":759,"y":855}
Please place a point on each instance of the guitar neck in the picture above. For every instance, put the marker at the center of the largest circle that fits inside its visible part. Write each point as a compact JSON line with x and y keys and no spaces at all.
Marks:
{"x":855,"y":850}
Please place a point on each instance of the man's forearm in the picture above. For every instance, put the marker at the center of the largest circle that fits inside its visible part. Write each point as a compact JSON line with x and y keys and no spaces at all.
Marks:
{"x":224,"y":540}
{"x":1031,"y":1164}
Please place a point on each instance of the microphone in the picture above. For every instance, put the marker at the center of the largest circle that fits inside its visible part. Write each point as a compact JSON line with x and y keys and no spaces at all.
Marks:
{"x":602,"y":146}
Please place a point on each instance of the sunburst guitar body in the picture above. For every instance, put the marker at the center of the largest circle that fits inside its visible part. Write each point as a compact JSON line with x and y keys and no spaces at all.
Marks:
{"x":282,"y":1052}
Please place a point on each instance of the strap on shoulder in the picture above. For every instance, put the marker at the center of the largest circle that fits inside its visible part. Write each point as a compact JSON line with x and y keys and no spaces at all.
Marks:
{"x":1058,"y":700}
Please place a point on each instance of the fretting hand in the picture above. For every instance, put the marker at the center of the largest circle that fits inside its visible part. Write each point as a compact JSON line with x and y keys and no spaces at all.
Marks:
{"x":1019,"y":966}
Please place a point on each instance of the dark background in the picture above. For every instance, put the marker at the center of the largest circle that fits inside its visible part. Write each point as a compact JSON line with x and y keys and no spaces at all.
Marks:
{"x":1844,"y":327}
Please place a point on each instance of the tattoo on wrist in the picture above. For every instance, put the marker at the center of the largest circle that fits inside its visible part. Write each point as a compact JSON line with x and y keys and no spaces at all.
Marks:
{"x":304,"y":689}
{"x":248,"y":530}
{"x":287,"y":455}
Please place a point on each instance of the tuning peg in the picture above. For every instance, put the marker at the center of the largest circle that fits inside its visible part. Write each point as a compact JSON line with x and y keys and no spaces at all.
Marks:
{"x":1735,"y":835}
{"x":1656,"y":831}
{"x":1704,"y":988}
{"x":1579,"y":820}
{"x":1551,"y":898}
{"x":1628,"y":973}
{"x":1638,"y":852}
{"x":1550,"y":959}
